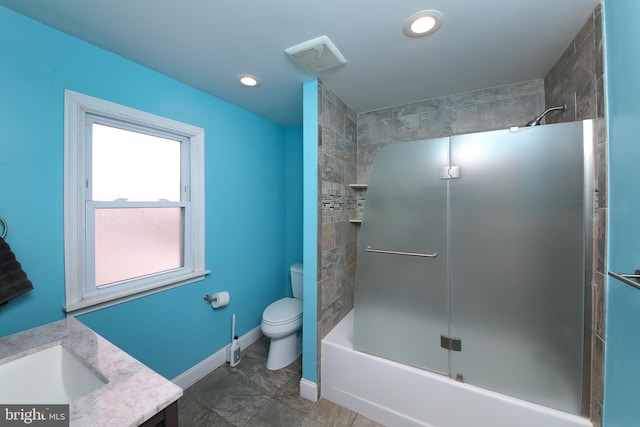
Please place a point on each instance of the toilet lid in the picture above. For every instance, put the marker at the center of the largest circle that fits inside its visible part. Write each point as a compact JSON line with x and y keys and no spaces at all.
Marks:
{"x":283,"y":310}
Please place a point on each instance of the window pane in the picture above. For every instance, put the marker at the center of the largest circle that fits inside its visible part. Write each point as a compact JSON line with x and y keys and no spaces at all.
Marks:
{"x":134,"y":166}
{"x":135,"y":242}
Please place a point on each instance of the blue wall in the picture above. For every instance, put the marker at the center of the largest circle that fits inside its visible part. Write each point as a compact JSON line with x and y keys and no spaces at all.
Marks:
{"x":310,"y":231}
{"x":622,"y":365}
{"x":253,"y":196}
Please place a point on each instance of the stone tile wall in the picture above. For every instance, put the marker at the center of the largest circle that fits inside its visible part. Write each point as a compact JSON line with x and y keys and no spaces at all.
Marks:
{"x":481,"y":110}
{"x":336,"y":235}
{"x":577,"y":80}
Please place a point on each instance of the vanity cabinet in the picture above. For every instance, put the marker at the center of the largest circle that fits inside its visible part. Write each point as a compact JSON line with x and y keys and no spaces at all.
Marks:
{"x":168,"y":417}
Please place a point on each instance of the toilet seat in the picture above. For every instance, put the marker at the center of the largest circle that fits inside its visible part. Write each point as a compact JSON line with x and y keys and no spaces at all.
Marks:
{"x":285,"y":310}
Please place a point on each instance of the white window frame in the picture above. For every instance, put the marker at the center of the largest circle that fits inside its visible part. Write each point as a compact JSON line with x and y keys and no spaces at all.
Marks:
{"x":79,"y":296}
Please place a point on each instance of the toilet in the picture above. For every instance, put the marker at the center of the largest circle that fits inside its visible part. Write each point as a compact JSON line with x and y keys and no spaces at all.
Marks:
{"x":282,"y":322}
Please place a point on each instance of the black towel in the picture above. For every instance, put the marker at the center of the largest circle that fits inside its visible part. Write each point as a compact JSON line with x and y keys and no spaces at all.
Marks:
{"x":13,"y":281}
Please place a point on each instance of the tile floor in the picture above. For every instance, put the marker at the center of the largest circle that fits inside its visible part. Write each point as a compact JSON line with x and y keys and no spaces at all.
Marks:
{"x":251,"y":395}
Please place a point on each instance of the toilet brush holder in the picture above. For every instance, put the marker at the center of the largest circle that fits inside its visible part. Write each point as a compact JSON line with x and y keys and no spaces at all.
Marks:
{"x":233,"y":350}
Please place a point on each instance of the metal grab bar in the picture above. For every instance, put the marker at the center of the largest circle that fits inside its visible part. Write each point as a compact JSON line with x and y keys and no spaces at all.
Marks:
{"x":380,"y":251}
{"x":625,"y":278}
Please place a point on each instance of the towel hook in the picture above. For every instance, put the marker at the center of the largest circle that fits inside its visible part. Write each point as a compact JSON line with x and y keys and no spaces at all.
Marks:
{"x":4,"y":227}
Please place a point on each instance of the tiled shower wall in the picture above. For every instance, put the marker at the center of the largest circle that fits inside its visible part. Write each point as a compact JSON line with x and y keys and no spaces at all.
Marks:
{"x":336,"y":235}
{"x":481,"y":110}
{"x":577,"y":80}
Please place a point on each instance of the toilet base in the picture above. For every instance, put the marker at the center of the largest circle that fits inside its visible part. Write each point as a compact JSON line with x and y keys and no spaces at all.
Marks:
{"x":284,"y":351}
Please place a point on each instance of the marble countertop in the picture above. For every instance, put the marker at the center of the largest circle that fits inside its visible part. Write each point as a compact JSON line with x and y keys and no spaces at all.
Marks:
{"x":133,"y":392}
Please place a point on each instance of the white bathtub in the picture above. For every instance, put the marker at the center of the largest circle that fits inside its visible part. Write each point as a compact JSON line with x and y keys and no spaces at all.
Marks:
{"x":397,"y":395}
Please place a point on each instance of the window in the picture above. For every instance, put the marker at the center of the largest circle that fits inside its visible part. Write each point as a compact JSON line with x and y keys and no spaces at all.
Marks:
{"x":134,"y":203}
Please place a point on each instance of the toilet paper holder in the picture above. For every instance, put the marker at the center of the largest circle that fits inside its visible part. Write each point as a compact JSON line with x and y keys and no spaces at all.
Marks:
{"x":218,"y":300}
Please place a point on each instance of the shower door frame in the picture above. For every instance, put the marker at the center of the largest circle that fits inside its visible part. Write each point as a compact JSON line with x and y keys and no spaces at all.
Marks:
{"x":589,"y":144}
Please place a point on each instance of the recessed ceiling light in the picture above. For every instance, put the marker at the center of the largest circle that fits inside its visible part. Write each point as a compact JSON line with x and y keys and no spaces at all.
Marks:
{"x":248,"y":80}
{"x":422,"y":23}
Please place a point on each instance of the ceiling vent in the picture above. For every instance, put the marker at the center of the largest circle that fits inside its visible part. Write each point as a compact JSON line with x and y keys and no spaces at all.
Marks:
{"x":316,"y":55}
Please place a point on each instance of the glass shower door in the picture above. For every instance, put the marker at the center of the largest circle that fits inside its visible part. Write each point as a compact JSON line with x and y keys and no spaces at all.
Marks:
{"x":518,"y":262}
{"x":401,"y":300}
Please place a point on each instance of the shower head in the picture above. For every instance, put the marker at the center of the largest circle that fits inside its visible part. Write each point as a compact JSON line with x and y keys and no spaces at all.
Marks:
{"x":536,"y":121}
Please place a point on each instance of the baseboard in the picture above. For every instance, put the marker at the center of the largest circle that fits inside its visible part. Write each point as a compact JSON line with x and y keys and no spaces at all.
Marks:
{"x":308,"y":390}
{"x":211,"y":363}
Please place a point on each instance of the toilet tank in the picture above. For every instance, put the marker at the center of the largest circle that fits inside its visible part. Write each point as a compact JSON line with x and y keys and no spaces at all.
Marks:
{"x":296,"y":280}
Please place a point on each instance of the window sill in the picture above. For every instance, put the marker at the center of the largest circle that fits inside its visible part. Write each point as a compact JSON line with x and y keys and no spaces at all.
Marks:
{"x":94,"y":303}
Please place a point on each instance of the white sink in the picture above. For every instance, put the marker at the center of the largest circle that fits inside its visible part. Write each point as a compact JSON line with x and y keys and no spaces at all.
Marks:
{"x":50,"y":376}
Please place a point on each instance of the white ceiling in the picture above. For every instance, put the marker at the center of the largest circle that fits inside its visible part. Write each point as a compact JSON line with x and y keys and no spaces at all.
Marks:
{"x":207,"y":43}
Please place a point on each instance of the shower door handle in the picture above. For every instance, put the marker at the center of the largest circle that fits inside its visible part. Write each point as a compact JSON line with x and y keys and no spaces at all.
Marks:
{"x":381,"y":251}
